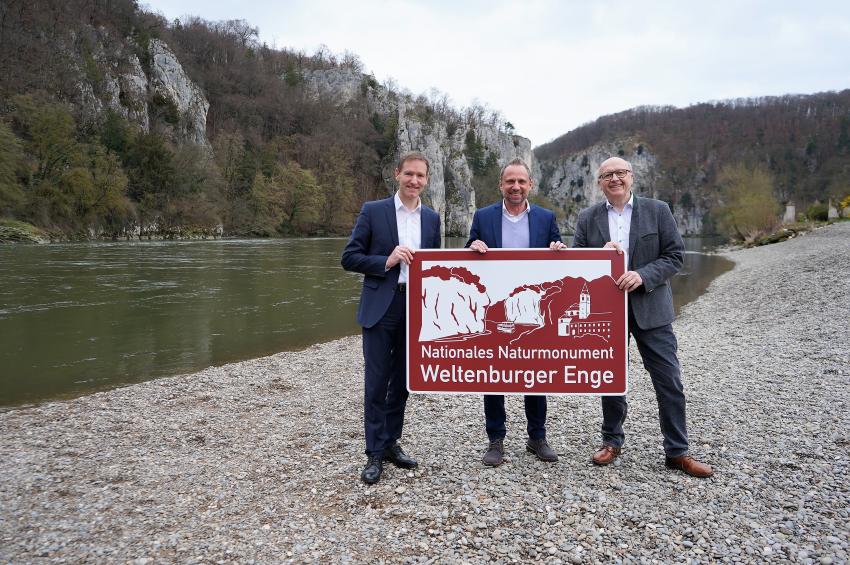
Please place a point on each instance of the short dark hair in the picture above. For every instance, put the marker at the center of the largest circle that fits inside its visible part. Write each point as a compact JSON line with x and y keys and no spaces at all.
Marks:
{"x":511,"y":163}
{"x":413,"y":156}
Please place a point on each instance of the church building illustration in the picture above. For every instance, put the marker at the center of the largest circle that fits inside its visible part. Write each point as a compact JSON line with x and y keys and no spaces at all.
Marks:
{"x":579,"y":321}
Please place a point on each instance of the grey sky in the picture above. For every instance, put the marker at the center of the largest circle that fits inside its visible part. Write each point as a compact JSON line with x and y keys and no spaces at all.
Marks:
{"x":549,"y":66}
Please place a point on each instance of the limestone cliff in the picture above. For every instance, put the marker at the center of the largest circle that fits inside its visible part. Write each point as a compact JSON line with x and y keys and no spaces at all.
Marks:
{"x":570,"y":182}
{"x":442,"y":137}
{"x":111,"y":77}
{"x":168,"y":80}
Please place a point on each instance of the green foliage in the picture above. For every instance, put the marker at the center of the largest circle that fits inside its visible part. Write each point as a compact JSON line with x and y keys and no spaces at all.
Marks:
{"x":748,"y":208}
{"x":165,"y":108}
{"x":480,"y":159}
{"x":150,"y":169}
{"x":818,"y":212}
{"x":292,"y":75}
{"x":336,"y":184}
{"x":288,"y":202}
{"x":14,"y":231}
{"x":116,"y":133}
{"x":111,"y":178}
{"x":11,"y":164}
{"x":48,"y":130}
{"x":486,"y":185}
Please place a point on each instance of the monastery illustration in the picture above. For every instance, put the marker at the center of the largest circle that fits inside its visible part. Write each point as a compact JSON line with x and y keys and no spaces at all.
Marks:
{"x":579,"y":321}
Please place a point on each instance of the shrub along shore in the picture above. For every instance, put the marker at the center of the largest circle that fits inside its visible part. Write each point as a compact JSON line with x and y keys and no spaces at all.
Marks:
{"x":259,"y":461}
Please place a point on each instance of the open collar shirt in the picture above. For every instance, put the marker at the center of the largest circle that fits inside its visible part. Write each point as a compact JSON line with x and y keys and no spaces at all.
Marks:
{"x":619,"y":224}
{"x":409,"y":224}
{"x":519,"y":217}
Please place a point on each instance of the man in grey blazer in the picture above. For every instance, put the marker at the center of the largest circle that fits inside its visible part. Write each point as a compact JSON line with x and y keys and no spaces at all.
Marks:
{"x":645,"y":230}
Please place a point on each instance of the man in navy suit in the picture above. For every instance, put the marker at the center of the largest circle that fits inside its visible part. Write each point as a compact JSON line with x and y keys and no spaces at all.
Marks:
{"x":386,"y":235}
{"x":646,"y":231}
{"x":514,"y":222}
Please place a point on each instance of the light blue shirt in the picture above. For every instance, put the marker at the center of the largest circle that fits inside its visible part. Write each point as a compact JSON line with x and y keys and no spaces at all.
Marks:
{"x":515,"y":232}
{"x":619,"y":224}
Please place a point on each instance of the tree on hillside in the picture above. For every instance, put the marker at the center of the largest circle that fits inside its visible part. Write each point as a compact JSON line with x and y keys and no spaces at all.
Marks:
{"x":748,"y":208}
{"x":11,"y":161}
{"x":287,"y":202}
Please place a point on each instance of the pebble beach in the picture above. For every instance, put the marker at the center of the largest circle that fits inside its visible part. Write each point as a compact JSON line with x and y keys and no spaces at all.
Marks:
{"x":259,"y":461}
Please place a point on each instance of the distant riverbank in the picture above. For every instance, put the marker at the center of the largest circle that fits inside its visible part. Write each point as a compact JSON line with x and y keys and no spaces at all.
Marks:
{"x":259,"y":461}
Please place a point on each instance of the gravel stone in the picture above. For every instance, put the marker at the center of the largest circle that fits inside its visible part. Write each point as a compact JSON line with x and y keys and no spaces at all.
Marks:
{"x":259,"y":462}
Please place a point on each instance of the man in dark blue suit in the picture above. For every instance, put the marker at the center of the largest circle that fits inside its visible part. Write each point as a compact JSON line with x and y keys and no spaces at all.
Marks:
{"x":514,"y":222}
{"x":386,"y":235}
{"x":646,"y":231}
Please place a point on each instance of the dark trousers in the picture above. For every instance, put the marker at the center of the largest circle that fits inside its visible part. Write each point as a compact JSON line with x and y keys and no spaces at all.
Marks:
{"x":494,"y":416}
{"x":658,"y":351}
{"x":385,"y":390}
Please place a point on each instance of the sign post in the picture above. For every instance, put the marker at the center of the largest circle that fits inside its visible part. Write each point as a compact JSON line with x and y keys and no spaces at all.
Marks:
{"x":517,"y":321}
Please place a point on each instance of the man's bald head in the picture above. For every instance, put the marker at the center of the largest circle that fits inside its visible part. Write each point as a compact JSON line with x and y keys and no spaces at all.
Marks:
{"x":613,"y":163}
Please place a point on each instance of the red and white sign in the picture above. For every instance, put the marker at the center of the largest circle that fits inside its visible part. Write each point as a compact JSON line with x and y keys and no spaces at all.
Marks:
{"x":517,"y":321}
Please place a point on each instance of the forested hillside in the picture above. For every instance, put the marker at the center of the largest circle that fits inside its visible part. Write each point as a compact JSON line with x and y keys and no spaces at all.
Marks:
{"x":801,"y":142}
{"x":98,"y":139}
{"x":117,"y":123}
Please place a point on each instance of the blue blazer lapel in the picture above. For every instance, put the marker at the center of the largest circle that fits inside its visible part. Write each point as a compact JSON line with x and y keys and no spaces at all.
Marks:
{"x":426,"y":228}
{"x":497,"y":224}
{"x":392,"y":224}
{"x":532,"y":227}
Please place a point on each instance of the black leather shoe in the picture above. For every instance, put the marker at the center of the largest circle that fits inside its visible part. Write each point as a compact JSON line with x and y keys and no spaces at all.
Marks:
{"x":396,"y":455}
{"x":372,"y":472}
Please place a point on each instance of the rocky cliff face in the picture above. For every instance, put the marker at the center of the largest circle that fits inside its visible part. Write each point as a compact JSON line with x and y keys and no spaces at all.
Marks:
{"x":450,"y":190}
{"x":443,"y":140}
{"x":169,"y":81}
{"x":112,"y":77}
{"x":571,"y":183}
{"x":452,"y":304}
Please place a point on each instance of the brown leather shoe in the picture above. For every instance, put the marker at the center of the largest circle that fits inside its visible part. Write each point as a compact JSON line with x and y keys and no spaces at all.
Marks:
{"x":605,"y":455}
{"x":689,"y":465}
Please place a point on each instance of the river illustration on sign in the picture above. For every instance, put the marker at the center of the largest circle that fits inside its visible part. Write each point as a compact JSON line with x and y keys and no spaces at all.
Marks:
{"x":477,"y":299}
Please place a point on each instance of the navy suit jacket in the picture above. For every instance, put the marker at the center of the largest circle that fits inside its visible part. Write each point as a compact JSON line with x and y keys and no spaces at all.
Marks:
{"x":656,"y":252}
{"x":373,"y":239}
{"x":487,"y":226}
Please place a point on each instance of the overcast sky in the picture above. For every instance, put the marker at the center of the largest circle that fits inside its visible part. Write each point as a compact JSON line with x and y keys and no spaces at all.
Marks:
{"x":549,"y":66}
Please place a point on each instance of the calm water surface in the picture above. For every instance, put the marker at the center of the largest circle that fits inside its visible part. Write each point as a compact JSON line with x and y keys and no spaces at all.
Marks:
{"x":83,"y":317}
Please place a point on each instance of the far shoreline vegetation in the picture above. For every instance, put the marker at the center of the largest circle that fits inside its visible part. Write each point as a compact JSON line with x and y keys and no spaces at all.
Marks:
{"x":275,"y":160}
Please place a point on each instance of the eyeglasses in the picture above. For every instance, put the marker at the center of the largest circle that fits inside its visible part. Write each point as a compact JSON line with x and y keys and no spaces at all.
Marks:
{"x":621,"y":174}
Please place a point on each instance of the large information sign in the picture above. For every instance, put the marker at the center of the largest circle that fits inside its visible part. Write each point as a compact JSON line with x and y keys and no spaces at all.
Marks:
{"x":517,"y":321}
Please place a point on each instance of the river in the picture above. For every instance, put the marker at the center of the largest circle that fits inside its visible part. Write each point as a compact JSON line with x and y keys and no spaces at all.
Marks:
{"x":77,"y":318}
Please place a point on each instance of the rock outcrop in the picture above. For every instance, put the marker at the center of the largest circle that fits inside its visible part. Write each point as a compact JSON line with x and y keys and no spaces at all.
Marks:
{"x":450,"y":189}
{"x":169,"y":81}
{"x":453,"y":304}
{"x":111,"y":77}
{"x":442,"y":138}
{"x":571,"y":182}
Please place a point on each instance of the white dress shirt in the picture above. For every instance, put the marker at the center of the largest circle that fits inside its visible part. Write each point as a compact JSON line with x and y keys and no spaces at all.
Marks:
{"x":619,"y":224}
{"x":409,"y":225}
{"x":510,"y":217}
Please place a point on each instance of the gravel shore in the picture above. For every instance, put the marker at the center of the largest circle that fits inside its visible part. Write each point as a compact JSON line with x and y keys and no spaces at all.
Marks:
{"x":259,"y":462}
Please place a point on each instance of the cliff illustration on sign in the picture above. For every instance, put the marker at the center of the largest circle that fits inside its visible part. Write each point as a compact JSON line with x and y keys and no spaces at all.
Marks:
{"x":456,"y":306}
